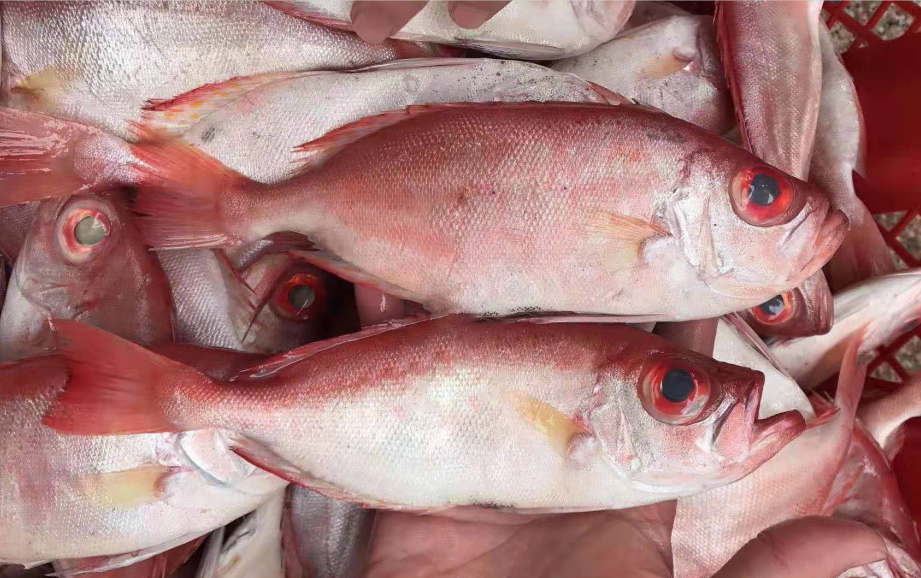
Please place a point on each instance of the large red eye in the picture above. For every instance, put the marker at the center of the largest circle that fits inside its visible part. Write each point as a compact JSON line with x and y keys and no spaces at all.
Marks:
{"x":775,"y":310}
{"x":300,"y":296}
{"x":674,"y":392}
{"x":82,"y":233}
{"x":762,"y":196}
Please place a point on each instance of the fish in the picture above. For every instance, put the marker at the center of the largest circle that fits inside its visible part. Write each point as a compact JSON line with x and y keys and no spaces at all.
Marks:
{"x":159,"y":566}
{"x":324,"y":538}
{"x":616,"y":240}
{"x":671,"y":64}
{"x":773,"y":65}
{"x":523,"y":30}
{"x":100,"y":63}
{"x":15,"y":222}
{"x":710,"y":527}
{"x":799,"y":312}
{"x":881,"y":307}
{"x":255,"y":129}
{"x":883,"y":418}
{"x":84,"y":259}
{"x":840,"y":151}
{"x":125,"y":498}
{"x":591,"y":429}
{"x":866,"y":490}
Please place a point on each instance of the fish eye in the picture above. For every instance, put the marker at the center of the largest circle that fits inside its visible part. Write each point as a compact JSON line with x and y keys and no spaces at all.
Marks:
{"x":775,"y":310}
{"x":299,"y":296}
{"x":82,"y":232}
{"x":674,"y":392}
{"x":762,"y":196}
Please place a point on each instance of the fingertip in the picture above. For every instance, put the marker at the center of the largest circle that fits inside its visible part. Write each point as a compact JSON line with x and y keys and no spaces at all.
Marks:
{"x":375,"y":21}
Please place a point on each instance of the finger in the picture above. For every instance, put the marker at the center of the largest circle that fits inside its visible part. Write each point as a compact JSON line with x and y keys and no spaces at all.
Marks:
{"x":377,"y":20}
{"x":374,"y":306}
{"x":473,"y":13}
{"x":697,"y":335}
{"x":813,"y":547}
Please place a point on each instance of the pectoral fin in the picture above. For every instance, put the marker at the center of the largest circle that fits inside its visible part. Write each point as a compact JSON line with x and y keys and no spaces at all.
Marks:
{"x":559,"y":429}
{"x":128,"y":488}
{"x":621,"y":237}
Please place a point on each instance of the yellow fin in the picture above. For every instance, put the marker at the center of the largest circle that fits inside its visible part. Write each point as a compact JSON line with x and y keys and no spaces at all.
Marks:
{"x":558,"y":428}
{"x":40,"y":87}
{"x":620,"y":236}
{"x":127,"y":488}
{"x":665,"y":65}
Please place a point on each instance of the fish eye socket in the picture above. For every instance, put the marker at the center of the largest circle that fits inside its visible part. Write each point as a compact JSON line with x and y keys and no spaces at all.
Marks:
{"x":762,"y":196}
{"x":677,"y":385}
{"x":90,"y":230}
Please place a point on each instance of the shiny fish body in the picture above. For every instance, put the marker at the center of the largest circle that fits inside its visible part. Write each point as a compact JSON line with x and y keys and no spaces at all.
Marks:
{"x":771,"y":58}
{"x":403,"y":410}
{"x":15,"y":222}
{"x":671,"y":64}
{"x":105,"y":501}
{"x":498,"y":179}
{"x":881,"y":308}
{"x":99,"y":63}
{"x":257,"y":133}
{"x":522,"y":29}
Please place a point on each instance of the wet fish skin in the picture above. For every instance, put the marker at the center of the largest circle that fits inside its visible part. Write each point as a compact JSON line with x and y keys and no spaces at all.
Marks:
{"x":690,"y":225}
{"x":805,"y":310}
{"x":881,"y":308}
{"x":671,"y":64}
{"x":524,"y":30}
{"x":15,"y":222}
{"x":100,"y":63}
{"x":589,"y":395}
{"x":116,"y":283}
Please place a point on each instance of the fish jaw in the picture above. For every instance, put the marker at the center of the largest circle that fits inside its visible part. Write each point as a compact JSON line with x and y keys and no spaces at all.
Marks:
{"x":830,"y":236}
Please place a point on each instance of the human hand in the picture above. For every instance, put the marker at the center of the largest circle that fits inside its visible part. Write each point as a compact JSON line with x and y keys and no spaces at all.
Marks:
{"x":375,"y":20}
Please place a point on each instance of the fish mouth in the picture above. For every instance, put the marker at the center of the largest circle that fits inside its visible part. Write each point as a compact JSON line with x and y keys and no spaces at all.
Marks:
{"x":829,"y":238}
{"x":771,"y":432}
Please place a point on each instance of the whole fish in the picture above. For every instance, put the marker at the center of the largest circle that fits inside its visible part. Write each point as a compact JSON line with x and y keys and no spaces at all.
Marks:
{"x":15,"y":222}
{"x":773,"y":64}
{"x":84,"y":259}
{"x":880,"y":308}
{"x":840,"y":151}
{"x":710,"y":527}
{"x":867,"y":491}
{"x":324,"y":538}
{"x":524,"y":30}
{"x":254,"y":126}
{"x":595,"y":416}
{"x":733,"y":231}
{"x":99,"y":63}
{"x":671,"y":64}
{"x":801,"y":311}
{"x":123,"y":497}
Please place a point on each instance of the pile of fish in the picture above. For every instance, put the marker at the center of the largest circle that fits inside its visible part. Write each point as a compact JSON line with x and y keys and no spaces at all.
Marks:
{"x":257,"y":267}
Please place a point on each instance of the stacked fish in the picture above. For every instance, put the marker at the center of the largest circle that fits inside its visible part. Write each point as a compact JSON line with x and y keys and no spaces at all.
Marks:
{"x":262,"y":268}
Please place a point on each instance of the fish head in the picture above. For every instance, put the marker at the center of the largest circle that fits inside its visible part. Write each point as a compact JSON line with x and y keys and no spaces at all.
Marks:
{"x":83,"y":259}
{"x":801,"y":311}
{"x":757,"y":232}
{"x":293,"y":303}
{"x":671,"y":418}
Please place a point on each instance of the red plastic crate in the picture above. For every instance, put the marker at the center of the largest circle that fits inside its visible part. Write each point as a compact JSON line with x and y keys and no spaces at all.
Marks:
{"x":899,"y":224}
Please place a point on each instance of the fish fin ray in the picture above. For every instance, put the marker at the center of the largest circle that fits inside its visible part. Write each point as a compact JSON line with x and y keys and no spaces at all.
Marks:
{"x":512,"y":49}
{"x":175,"y":115}
{"x":621,"y":237}
{"x":115,"y":393}
{"x":558,"y":428}
{"x":244,"y":302}
{"x":331,"y":263}
{"x":182,"y":191}
{"x":128,"y":488}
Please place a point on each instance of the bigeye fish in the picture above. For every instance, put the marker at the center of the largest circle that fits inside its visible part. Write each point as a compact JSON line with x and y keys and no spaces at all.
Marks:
{"x":880,"y":309}
{"x":99,"y":63}
{"x":710,"y":527}
{"x":595,"y":416}
{"x":522,"y":29}
{"x":84,"y":259}
{"x":801,"y":311}
{"x":671,"y":64}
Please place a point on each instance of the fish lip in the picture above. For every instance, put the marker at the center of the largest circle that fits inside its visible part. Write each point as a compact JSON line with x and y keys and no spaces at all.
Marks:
{"x":765,"y":432}
{"x":829,"y":238}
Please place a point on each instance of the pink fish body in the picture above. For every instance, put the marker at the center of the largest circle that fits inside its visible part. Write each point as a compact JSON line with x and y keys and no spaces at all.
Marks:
{"x":884,"y":417}
{"x":597,"y":239}
{"x":475,"y":394}
{"x":671,"y":64}
{"x":84,"y":259}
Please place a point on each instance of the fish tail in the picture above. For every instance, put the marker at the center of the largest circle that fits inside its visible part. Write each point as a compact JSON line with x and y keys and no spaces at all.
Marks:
{"x":43,"y":157}
{"x":183,"y":193}
{"x":115,"y":387}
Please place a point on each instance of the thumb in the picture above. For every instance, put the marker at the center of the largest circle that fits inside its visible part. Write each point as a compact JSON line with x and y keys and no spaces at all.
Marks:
{"x":813,"y":547}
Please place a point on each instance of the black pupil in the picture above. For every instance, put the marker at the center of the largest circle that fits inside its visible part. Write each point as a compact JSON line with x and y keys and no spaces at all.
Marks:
{"x":677,"y":385}
{"x":763,"y":190}
{"x":300,"y":296}
{"x":773,"y":306}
